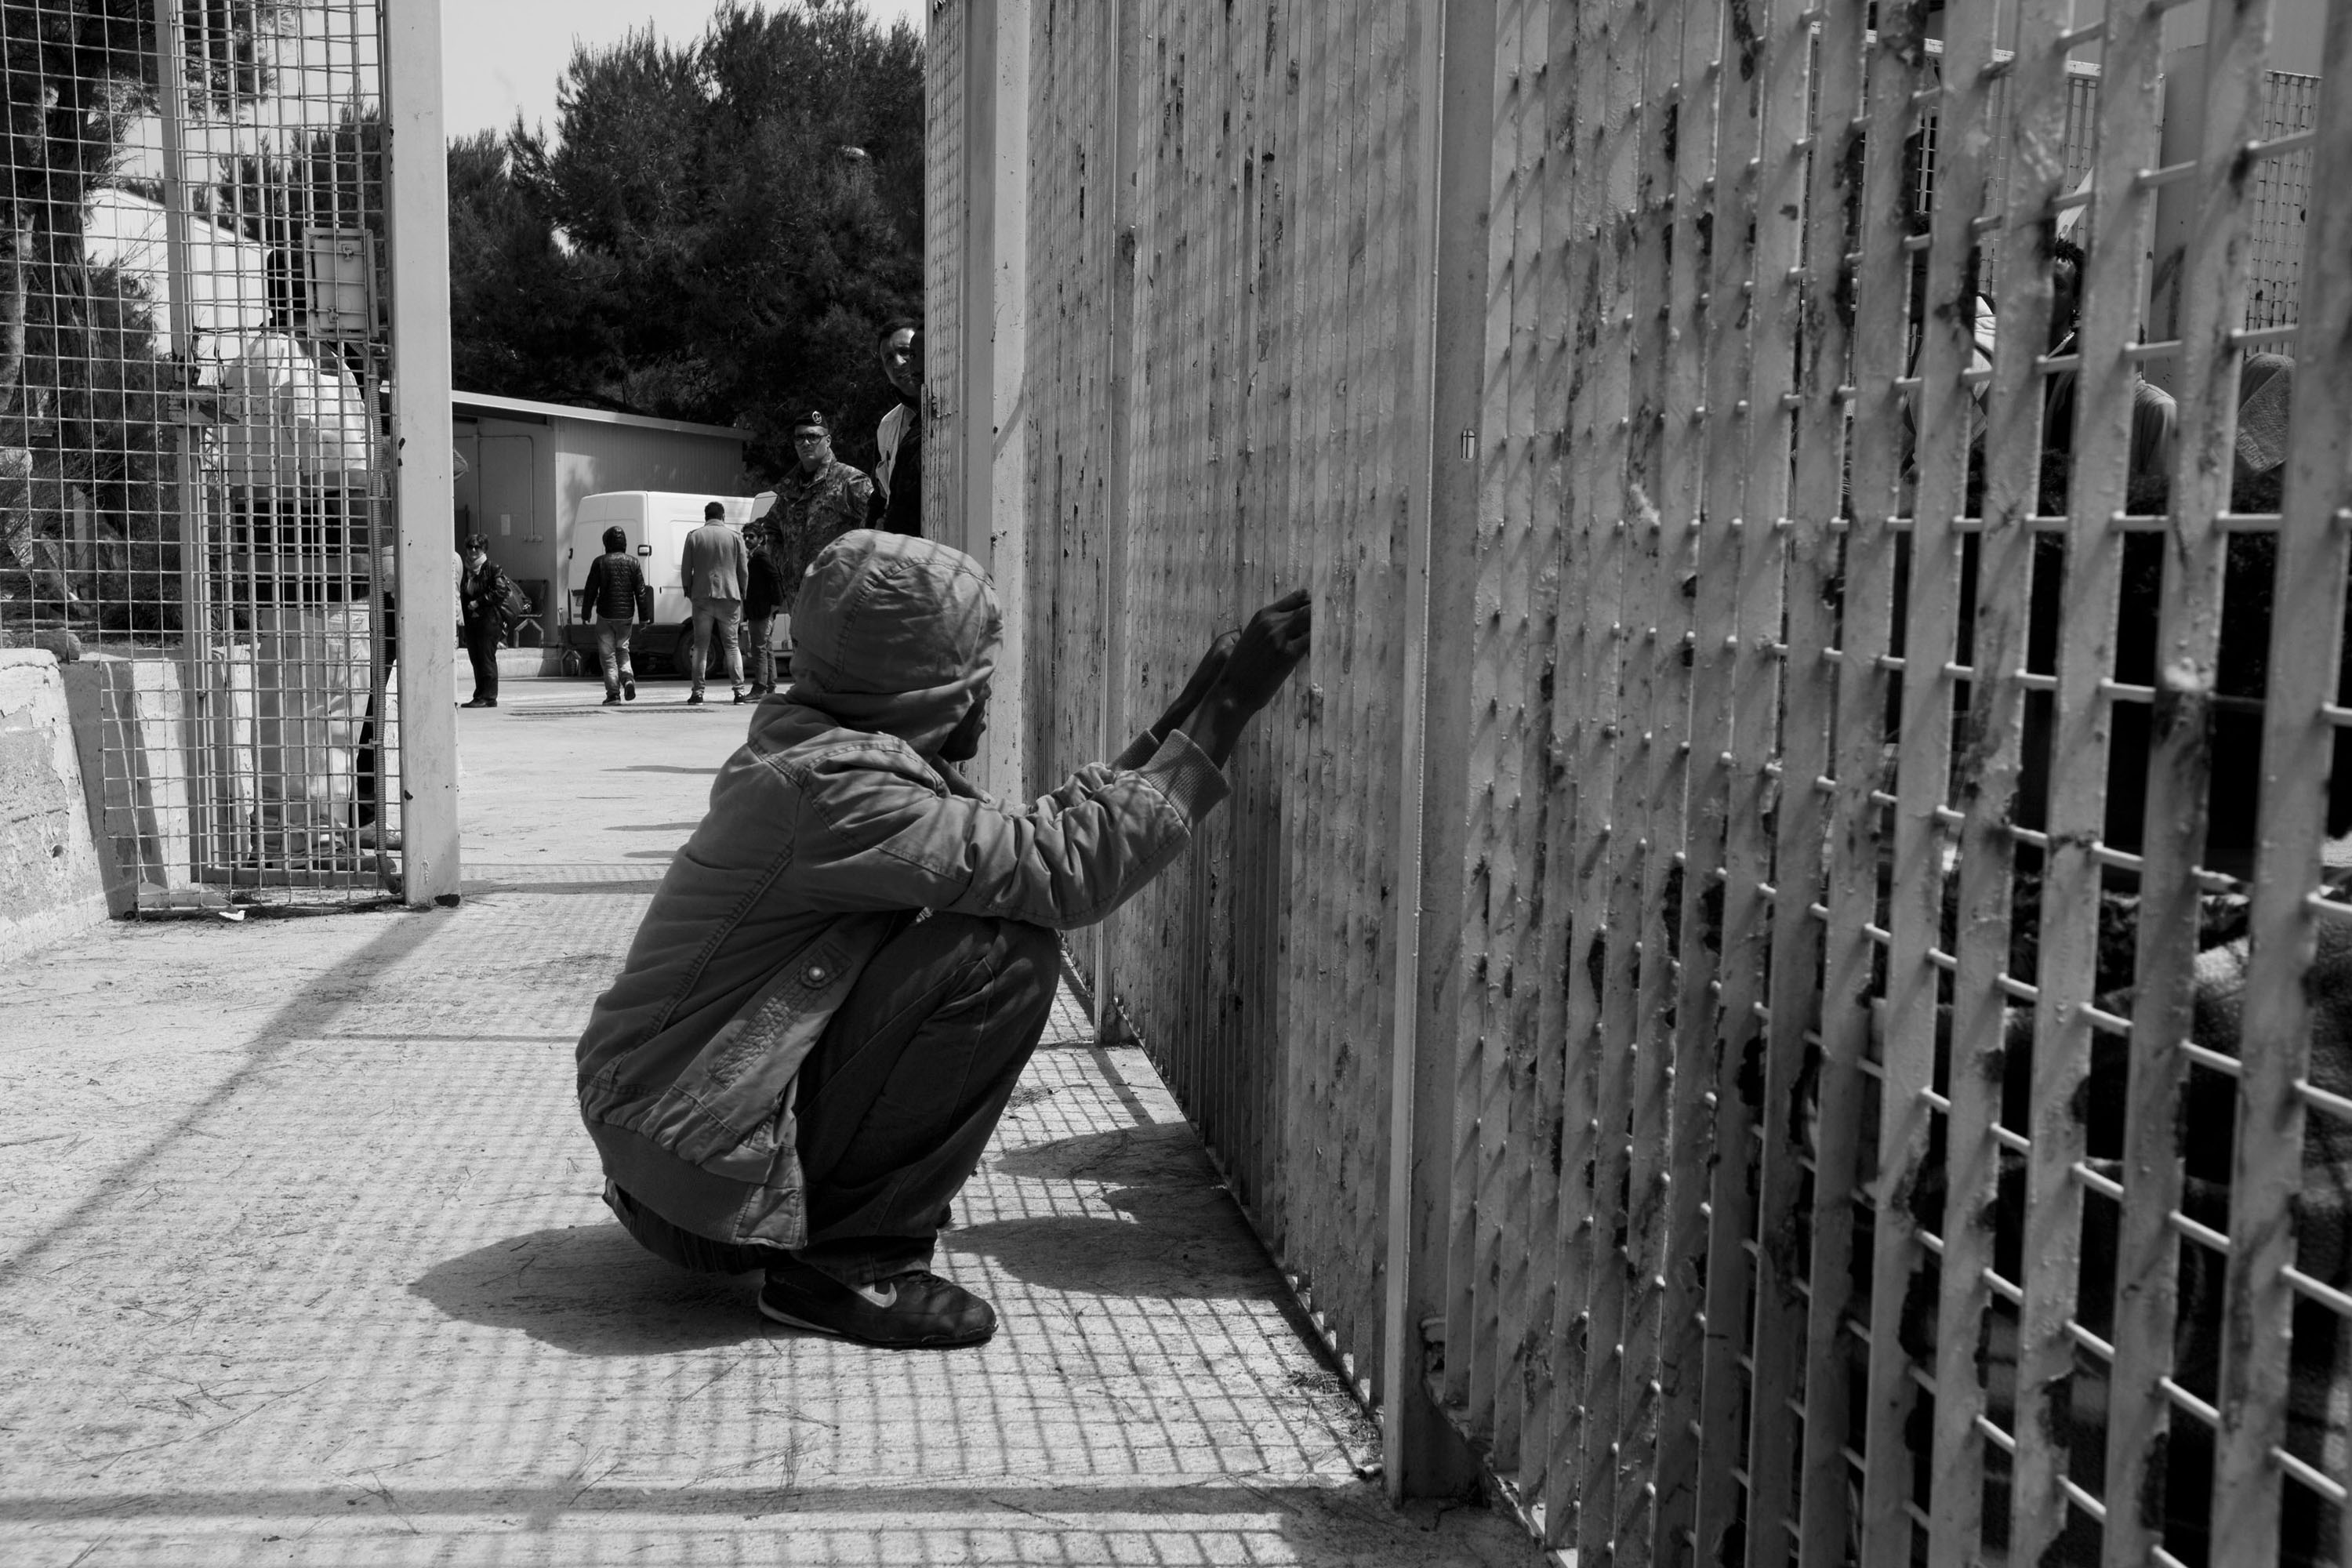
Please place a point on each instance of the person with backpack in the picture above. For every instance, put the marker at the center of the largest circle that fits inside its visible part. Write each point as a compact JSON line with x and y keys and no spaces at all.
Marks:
{"x":490,"y":602}
{"x":616,"y":598}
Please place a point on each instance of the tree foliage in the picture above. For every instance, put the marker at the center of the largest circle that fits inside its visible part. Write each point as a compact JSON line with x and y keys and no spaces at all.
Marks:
{"x":716,"y":230}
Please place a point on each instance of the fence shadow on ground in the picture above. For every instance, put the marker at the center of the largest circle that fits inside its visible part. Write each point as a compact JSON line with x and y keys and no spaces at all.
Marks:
{"x":1178,"y":1236}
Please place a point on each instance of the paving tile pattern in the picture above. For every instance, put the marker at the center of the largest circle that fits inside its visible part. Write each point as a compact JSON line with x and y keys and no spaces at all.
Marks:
{"x":301,"y":1260}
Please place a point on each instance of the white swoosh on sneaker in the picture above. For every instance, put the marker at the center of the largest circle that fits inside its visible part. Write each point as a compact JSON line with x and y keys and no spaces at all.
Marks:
{"x":884,"y":1296}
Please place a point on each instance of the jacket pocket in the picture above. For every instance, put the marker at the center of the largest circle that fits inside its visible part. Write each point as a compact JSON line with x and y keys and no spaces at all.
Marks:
{"x":741,"y":1079}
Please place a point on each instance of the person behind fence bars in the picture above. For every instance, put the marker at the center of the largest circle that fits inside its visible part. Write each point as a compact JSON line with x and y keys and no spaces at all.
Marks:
{"x":898,"y":438}
{"x":293,"y":448}
{"x":841,"y":976}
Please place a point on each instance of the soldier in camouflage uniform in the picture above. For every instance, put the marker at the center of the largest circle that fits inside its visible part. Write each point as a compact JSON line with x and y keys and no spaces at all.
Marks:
{"x":817,"y":504}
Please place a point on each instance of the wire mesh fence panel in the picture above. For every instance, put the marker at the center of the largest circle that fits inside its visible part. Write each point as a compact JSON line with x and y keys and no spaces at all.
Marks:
{"x":193,"y":395}
{"x":1891,"y":1070}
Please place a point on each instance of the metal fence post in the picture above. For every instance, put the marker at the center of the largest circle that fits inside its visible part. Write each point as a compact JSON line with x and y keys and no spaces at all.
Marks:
{"x":1421,"y":1455}
{"x":418,"y":229}
{"x":990,"y":455}
{"x":1120,"y":96}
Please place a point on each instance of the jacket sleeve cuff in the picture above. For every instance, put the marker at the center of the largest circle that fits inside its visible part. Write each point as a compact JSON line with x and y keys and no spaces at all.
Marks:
{"x":1184,"y":773}
{"x":1138,"y":751}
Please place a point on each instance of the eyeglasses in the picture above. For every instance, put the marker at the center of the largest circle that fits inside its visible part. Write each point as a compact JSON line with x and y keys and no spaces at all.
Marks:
{"x":809,"y":439}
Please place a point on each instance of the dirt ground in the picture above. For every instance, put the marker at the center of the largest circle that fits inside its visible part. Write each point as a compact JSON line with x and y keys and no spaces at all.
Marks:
{"x":304,"y":1263}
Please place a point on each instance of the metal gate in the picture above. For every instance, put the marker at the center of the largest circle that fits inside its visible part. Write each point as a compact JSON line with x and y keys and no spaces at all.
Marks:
{"x":196,"y":415}
{"x":1784,"y":971}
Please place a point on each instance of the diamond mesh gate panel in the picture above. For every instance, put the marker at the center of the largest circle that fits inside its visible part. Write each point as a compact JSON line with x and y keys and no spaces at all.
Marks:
{"x":193,"y":403}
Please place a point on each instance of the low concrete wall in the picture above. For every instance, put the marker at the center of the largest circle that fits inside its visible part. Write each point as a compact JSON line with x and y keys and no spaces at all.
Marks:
{"x":51,"y":882}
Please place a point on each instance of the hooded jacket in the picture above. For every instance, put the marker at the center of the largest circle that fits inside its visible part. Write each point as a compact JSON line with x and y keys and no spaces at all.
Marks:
{"x":827,"y":829}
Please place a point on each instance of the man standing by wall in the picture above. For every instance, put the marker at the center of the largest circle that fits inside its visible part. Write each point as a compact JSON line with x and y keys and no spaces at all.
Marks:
{"x":712,"y":569}
{"x":899,"y":474}
{"x":482,"y":592}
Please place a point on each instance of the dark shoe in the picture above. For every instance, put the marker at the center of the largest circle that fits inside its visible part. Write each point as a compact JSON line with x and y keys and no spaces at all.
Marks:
{"x":489,"y":702}
{"x":908,"y":1312}
{"x":629,"y":689}
{"x":611,"y":700}
{"x":480,"y":703}
{"x":694,"y":700}
{"x":743,"y":697}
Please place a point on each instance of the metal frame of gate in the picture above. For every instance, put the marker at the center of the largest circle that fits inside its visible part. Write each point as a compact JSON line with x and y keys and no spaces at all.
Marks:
{"x":228,"y":298}
{"x":1778,"y":974}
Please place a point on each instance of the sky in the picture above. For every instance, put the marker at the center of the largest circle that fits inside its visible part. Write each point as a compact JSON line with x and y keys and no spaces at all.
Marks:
{"x":501,"y":56}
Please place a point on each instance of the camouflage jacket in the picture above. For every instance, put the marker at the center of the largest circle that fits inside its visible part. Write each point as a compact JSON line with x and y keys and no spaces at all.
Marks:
{"x":811,"y":513}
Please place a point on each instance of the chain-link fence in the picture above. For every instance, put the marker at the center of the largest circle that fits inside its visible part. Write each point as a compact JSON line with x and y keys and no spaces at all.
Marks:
{"x":1784,"y":970}
{"x":193,"y":484}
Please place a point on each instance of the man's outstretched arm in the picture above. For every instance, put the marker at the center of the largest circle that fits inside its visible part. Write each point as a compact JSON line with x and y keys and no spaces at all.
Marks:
{"x":1204,"y":676}
{"x":1073,"y":855}
{"x":1262,"y":658}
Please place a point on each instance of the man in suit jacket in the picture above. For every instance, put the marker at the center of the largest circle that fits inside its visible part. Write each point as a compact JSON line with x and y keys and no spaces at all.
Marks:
{"x":713,"y":569}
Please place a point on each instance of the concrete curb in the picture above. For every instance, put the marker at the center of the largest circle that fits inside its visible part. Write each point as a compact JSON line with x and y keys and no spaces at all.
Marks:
{"x":51,"y":882}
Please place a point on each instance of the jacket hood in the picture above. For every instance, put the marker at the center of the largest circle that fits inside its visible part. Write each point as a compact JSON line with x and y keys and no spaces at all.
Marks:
{"x":893,"y":635}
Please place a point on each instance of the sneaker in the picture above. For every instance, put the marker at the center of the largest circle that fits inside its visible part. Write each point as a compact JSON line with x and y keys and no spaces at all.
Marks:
{"x":907,"y":1311}
{"x":611,"y":700}
{"x":694,"y":700}
{"x":629,"y":689}
{"x":741,"y":697}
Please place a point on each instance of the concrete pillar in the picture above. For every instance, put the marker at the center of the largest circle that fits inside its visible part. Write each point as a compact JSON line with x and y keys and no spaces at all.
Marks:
{"x":418,"y":221}
{"x":982,"y":421}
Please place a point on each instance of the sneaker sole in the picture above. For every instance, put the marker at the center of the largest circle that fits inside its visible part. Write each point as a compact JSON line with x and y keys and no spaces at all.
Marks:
{"x":938,"y":1342}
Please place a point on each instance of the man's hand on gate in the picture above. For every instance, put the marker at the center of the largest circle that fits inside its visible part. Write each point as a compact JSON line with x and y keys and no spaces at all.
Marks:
{"x":1204,"y":675}
{"x":1269,"y":648}
{"x":1263,"y":656}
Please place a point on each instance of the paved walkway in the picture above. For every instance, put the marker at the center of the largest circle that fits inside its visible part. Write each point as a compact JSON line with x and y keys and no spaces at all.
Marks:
{"x":301,"y":1261}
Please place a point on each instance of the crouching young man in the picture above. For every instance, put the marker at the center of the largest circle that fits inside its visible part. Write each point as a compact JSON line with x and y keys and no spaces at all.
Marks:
{"x":845,"y":969}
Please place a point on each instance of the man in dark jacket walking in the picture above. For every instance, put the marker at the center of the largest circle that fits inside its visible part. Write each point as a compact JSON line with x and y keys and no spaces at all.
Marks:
{"x":482,"y":592}
{"x":615,"y":586}
{"x":844,"y":972}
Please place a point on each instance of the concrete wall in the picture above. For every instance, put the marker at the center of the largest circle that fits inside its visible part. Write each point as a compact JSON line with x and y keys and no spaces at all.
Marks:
{"x":51,"y":884}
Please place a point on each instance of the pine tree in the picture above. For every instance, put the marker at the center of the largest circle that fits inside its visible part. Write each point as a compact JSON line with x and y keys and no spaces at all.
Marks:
{"x":716,"y":230}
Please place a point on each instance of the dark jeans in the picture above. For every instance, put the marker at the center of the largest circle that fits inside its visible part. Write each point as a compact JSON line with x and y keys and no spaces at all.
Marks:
{"x":759,"y":658}
{"x":899,"y":1099}
{"x":482,"y":647}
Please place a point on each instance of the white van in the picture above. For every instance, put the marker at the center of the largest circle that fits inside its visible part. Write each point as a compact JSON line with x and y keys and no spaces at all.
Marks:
{"x":656,"y":522}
